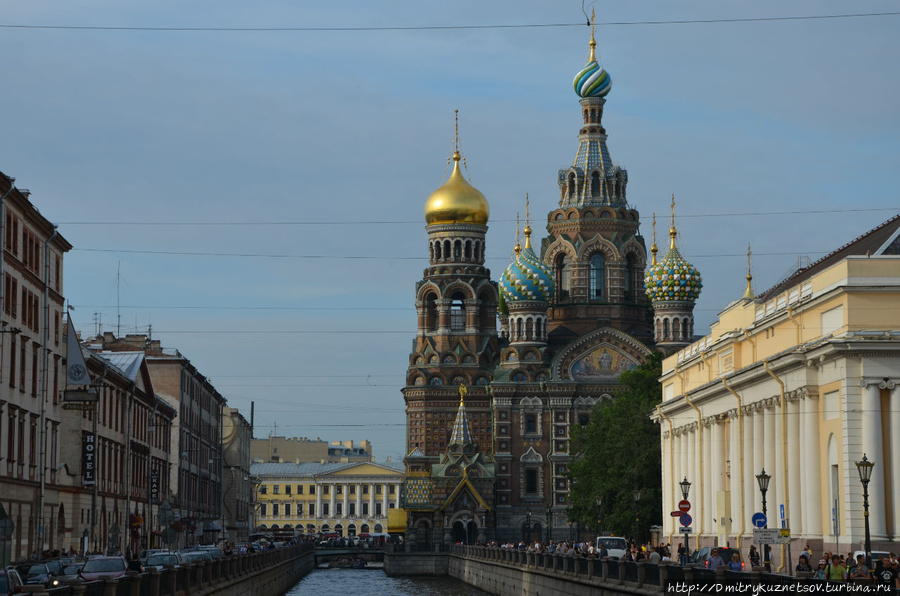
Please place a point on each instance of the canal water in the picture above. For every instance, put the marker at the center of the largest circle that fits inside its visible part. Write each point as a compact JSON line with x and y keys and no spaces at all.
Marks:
{"x":374,"y":581}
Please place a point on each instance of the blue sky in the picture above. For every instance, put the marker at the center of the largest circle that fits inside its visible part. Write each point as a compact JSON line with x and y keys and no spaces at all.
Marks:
{"x":299,"y":163}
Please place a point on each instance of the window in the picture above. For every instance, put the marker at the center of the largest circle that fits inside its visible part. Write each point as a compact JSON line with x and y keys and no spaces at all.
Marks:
{"x":377,"y":509}
{"x":339,"y":489}
{"x":352,"y":489}
{"x":531,"y":481}
{"x":457,"y":313}
{"x":563,"y":277}
{"x":287,"y":489}
{"x":352,"y":509}
{"x":530,"y":423}
{"x":584,"y":419}
{"x":598,"y":276}
{"x":325,"y":489}
{"x":365,"y":509}
{"x":391,"y":489}
{"x":287,"y":509}
{"x":274,"y":509}
{"x":275,"y":489}
{"x":262,"y":510}
{"x":325,"y":509}
{"x":312,"y":510}
{"x":312,"y":489}
{"x":263,"y":489}
{"x":339,"y":508}
{"x":299,"y":489}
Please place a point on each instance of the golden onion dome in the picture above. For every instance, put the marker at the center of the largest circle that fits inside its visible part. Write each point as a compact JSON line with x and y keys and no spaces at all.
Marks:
{"x":456,"y":201}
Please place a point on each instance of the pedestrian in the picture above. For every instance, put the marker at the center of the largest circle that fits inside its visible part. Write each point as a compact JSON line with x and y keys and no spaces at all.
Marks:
{"x":735,"y":563}
{"x":885,"y":574}
{"x":714,"y":561}
{"x":835,"y":570}
{"x":820,"y":570}
{"x":804,"y":565}
{"x":860,"y":570}
{"x":682,"y":554}
{"x":753,"y":556}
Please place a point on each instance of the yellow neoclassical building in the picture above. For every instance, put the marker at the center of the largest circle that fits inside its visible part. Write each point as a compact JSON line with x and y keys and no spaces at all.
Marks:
{"x":344,"y":498}
{"x":801,"y":381}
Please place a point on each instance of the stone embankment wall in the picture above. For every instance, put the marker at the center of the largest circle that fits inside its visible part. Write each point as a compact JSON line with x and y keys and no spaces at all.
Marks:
{"x":270,"y":573}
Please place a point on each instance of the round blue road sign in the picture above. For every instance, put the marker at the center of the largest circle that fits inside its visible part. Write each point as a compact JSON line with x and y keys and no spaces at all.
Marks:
{"x":685,"y":519}
{"x":758,"y":520}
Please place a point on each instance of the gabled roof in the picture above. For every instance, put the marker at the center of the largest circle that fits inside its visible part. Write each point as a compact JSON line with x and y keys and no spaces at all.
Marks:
{"x":465,"y":482}
{"x":880,"y":240}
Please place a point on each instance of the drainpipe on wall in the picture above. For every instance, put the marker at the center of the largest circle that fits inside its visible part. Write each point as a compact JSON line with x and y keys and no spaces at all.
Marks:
{"x":740,"y":423}
{"x":671,"y":459}
{"x":700,"y":487}
{"x":45,"y":365}
{"x":784,"y":452}
{"x":790,"y":314}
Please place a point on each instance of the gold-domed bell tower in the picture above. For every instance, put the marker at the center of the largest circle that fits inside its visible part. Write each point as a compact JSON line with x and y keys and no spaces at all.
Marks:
{"x":456,"y":303}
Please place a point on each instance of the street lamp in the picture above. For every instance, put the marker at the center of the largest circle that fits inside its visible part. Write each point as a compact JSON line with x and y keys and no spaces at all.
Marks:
{"x":599,"y":505}
{"x":763,"y":479}
{"x":864,"y":468}
{"x":637,"y":497}
{"x":528,"y":527}
{"x":685,"y":491}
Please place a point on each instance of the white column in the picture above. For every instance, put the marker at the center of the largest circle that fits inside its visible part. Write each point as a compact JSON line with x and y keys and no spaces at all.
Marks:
{"x":759,"y":441}
{"x":794,"y":467}
{"x":396,"y":496}
{"x":734,"y":482}
{"x":779,"y":477}
{"x":770,"y":459}
{"x":708,"y":504}
{"x":895,"y":458}
{"x":747,"y":474}
{"x":811,"y":491}
{"x":371,"y":502}
{"x":384,"y":497}
{"x":318,"y":504}
{"x":872,"y":447}
{"x":358,"y":502}
{"x":331,"y":500}
{"x":346,"y":491}
{"x":717,"y":450}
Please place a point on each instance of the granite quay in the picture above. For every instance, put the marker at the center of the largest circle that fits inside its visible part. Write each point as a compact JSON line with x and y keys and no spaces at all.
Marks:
{"x":268,"y":573}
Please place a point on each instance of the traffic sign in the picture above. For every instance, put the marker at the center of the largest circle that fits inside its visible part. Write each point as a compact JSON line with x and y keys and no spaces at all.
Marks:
{"x":766,"y":536}
{"x":685,"y":530}
{"x":686,"y":519}
{"x":677,"y":513}
{"x":758,"y":520}
{"x":684,"y":505}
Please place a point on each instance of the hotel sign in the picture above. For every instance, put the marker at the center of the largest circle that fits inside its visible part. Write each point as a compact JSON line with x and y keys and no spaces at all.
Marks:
{"x":89,"y":459}
{"x":154,"y":486}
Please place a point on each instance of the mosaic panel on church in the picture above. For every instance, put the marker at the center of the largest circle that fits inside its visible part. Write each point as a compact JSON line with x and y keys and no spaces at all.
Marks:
{"x":603,"y":362}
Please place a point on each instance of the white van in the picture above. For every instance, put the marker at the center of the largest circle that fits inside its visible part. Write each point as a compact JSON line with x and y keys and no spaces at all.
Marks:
{"x":615,"y":546}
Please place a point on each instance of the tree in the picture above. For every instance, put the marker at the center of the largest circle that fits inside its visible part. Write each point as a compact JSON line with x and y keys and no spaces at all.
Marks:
{"x":618,"y":452}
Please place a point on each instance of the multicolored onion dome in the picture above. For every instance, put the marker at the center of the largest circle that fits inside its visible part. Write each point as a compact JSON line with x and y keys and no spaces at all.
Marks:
{"x":456,"y":201}
{"x":673,"y":279}
{"x":526,"y":278}
{"x":592,"y":80}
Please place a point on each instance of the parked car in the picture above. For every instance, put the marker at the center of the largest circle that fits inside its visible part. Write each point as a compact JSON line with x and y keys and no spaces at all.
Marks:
{"x":615,"y":546}
{"x":150,"y":551}
{"x":10,"y":582}
{"x":40,"y":574}
{"x":103,"y":567}
{"x":194,"y":556}
{"x":71,"y":569}
{"x":214,"y":551}
{"x":158,"y":560}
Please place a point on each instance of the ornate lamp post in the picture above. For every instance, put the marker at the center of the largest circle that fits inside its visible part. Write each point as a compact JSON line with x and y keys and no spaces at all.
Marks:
{"x":685,"y":491}
{"x":637,"y":497}
{"x":528,"y":527}
{"x":599,"y":505}
{"x":763,"y":479}
{"x":864,"y":467}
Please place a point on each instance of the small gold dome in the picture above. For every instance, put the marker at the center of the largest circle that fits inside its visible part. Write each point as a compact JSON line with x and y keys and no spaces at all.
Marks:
{"x":456,"y":201}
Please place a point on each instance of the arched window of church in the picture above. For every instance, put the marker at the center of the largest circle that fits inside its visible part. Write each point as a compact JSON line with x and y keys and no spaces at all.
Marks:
{"x":457,"y":313}
{"x":685,"y":330}
{"x":446,"y":249}
{"x":630,"y":277}
{"x":518,"y":329}
{"x":598,"y":276}
{"x":665,"y":328}
{"x":531,"y":481}
{"x":430,"y":313}
{"x":530,"y":423}
{"x":468,"y":254}
{"x":529,"y":330}
{"x":457,"y":250}
{"x":539,"y":329}
{"x":563,"y":277}
{"x":595,"y":184}
{"x":571,"y":186}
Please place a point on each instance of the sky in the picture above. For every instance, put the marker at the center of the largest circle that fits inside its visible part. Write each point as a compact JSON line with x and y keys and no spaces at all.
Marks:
{"x":255,"y":198}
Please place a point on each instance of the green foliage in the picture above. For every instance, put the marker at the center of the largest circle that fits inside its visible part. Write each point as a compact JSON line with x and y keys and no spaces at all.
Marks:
{"x":617,"y":452}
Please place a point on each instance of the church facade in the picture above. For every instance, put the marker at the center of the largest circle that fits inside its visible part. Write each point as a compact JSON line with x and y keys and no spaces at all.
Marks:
{"x":490,"y":405}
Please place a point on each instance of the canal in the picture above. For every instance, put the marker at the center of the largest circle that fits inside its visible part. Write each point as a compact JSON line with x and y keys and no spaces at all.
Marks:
{"x":374,"y":581}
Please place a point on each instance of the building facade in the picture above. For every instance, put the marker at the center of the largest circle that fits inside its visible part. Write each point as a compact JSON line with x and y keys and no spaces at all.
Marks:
{"x":342,"y":498}
{"x":196,"y":478}
{"x":572,"y":319}
{"x":800,"y":383}
{"x":300,"y":450}
{"x":237,"y":489}
{"x":32,"y":354}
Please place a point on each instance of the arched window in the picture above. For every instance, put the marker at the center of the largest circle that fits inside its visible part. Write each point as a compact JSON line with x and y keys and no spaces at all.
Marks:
{"x":430,"y":313}
{"x":685,"y":330}
{"x":457,"y":250}
{"x":631,"y":276}
{"x":563,"y":277}
{"x":598,"y":276}
{"x":571,"y":186}
{"x":595,"y":183}
{"x":518,"y":329}
{"x":529,"y":330}
{"x":446,"y":252}
{"x":665,"y":328}
{"x":457,"y":313}
{"x":468,"y":253}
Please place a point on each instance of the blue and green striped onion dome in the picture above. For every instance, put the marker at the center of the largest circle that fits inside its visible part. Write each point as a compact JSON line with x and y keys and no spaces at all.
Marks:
{"x":592,"y":81}
{"x":673,"y":280}
{"x":526,"y":278}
